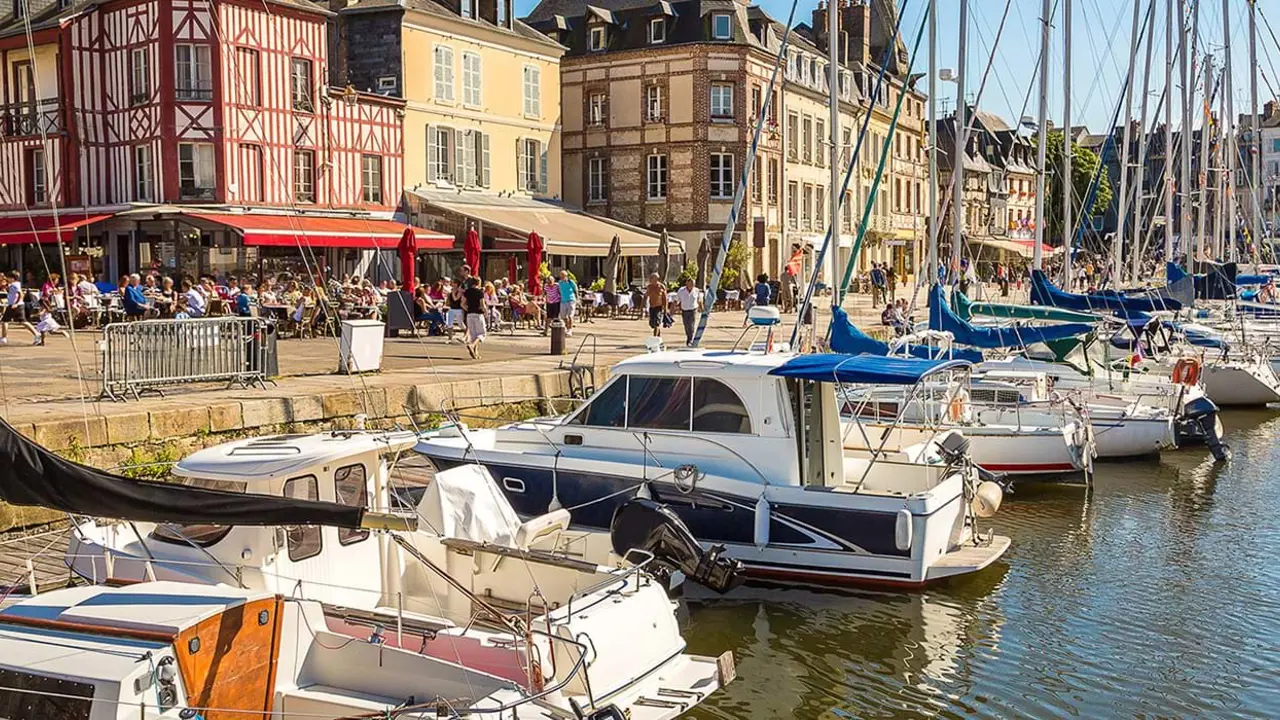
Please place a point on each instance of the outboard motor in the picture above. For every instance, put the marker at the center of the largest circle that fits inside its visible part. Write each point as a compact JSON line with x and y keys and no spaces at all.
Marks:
{"x":1199,"y":424}
{"x":642,"y":524}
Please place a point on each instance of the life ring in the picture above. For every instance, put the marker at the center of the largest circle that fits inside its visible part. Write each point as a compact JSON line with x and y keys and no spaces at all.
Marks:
{"x":1186,"y":372}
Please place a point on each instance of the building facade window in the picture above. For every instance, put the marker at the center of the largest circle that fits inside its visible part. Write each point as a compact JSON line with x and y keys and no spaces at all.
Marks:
{"x":806,"y":138}
{"x":820,"y":142}
{"x":773,"y":181}
{"x":721,"y":26}
{"x":819,"y":207}
{"x":304,"y":176}
{"x":657,"y":31}
{"x":598,"y":180}
{"x":371,"y":179}
{"x":471,"y":74}
{"x":533,"y":165}
{"x":439,"y":153}
{"x":143,"y":174}
{"x":757,"y":182}
{"x":653,"y":103}
{"x":139,"y":76}
{"x":793,"y":142}
{"x":721,"y":176}
{"x":532,"y":91}
{"x":793,"y":202}
{"x":443,"y":73}
{"x":249,"y":75}
{"x":721,"y":101}
{"x":196,"y":171}
{"x":301,"y":84}
{"x":599,"y":38}
{"x":194,"y":78}
{"x":657,"y":177}
{"x":37,"y":179}
{"x":596,"y":109}
{"x":806,"y":207}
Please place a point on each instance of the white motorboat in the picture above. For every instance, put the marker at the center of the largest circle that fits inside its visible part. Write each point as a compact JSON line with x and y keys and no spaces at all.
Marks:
{"x":169,"y":650}
{"x":746,"y":448}
{"x":471,"y":549}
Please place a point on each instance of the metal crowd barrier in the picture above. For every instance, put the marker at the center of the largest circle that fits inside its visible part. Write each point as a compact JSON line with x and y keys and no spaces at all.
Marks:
{"x":147,"y":355}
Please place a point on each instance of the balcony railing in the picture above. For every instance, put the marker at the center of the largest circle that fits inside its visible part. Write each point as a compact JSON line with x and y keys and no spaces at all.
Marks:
{"x":27,"y":119}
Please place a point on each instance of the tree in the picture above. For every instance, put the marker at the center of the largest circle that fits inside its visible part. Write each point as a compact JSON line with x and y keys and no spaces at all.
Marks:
{"x":1084,"y":168}
{"x":733,"y":264}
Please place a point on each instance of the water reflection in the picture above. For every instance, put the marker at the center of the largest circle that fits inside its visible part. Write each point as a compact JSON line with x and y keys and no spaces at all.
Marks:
{"x":1155,"y":592}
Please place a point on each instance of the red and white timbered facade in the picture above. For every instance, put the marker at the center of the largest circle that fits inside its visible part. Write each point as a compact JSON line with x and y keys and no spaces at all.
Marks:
{"x":188,"y":104}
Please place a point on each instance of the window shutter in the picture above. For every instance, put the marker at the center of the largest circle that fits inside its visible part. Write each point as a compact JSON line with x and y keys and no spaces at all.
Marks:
{"x":459,"y":147}
{"x":523,"y":160}
{"x":433,"y":154}
{"x":484,"y":160}
{"x":542,"y":168}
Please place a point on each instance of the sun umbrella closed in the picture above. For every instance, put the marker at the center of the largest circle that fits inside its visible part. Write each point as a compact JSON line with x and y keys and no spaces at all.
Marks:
{"x":534,"y":260}
{"x":408,"y":251}
{"x":471,"y":251}
{"x":664,"y":255}
{"x":611,"y":262}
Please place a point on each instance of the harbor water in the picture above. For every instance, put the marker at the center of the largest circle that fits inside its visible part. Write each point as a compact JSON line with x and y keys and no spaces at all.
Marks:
{"x":1154,"y":594}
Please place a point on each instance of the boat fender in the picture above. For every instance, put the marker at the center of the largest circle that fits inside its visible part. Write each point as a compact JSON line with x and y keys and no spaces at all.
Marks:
{"x":986,"y":499}
{"x":902,"y":530}
{"x":761,"y":534}
{"x":1186,"y":372}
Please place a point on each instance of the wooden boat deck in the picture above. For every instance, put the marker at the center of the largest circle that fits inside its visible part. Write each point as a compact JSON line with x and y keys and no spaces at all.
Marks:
{"x":45,"y":547}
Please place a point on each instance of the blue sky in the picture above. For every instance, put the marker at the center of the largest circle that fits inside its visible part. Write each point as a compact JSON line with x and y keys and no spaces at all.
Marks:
{"x":1100,"y":52}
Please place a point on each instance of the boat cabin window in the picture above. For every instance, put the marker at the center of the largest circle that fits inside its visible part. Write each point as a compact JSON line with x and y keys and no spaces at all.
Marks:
{"x":303,"y":540}
{"x":667,"y":403}
{"x":27,"y":696}
{"x":658,"y":403}
{"x":350,"y":488}
{"x":608,"y":408}
{"x":199,"y":534}
{"x":717,"y":408}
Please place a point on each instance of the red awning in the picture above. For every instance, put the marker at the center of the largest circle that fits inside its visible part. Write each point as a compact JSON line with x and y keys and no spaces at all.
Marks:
{"x":24,"y":230}
{"x":315,"y":231}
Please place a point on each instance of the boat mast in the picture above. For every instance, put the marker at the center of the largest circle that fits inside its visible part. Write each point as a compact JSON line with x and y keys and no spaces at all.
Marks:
{"x":1117,"y":244}
{"x":1228,"y":132}
{"x":1042,"y":138}
{"x":962,"y":147}
{"x":933,"y":144}
{"x":1168,"y":131}
{"x":1068,"y":187}
{"x":1184,"y":183}
{"x":833,"y":100}
{"x":1255,"y":136}
{"x":1139,"y":182}
{"x":1205,"y":137}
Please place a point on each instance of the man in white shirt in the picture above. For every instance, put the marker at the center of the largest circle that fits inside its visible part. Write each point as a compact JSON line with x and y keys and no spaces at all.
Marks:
{"x":15,"y":311}
{"x":196,"y":302}
{"x":690,"y":298}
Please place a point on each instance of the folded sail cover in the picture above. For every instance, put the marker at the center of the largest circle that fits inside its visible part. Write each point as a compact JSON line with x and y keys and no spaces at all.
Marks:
{"x":941,"y":317}
{"x":1044,"y":292}
{"x":847,"y":338}
{"x":863,"y":369}
{"x":31,"y":475}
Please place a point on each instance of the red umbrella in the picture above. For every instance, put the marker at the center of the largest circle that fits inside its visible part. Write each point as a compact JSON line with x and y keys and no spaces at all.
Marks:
{"x":408,"y":251}
{"x":535,"y":263}
{"x":511,"y":268}
{"x":471,"y":251}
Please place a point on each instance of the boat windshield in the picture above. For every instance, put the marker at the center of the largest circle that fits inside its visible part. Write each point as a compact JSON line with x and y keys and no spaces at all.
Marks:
{"x":201,"y":534}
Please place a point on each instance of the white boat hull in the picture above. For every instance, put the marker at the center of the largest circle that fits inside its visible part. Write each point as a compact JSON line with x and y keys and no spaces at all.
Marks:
{"x":1004,"y":449}
{"x":1241,"y":384}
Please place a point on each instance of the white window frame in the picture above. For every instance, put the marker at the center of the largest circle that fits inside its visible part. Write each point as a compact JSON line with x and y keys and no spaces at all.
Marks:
{"x":197,"y":68}
{"x":598,"y":38}
{"x":144,"y":178}
{"x":39,"y":176}
{"x":653,"y":103}
{"x":308,"y":194}
{"x":596,"y":109}
{"x":442,"y":73}
{"x":442,"y":140}
{"x":198,"y":159}
{"x":718,"y":32}
{"x":721,"y":188}
{"x":598,"y":180}
{"x":721,"y":101}
{"x":302,"y":90}
{"x":139,"y":75}
{"x":371,"y":177}
{"x":657,"y":30}
{"x":531,"y":82}
{"x":656,"y":177}
{"x":472,"y":77}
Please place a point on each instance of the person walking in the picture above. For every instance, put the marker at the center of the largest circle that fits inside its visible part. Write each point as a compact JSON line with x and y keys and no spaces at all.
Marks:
{"x":877,"y":284}
{"x":690,"y":299}
{"x":15,"y":311}
{"x":473,"y":306}
{"x":552,"y":290}
{"x":568,"y":297}
{"x":656,"y":295}
{"x":890,"y":283}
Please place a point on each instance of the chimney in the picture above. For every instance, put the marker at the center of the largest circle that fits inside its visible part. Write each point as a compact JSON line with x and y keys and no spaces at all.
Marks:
{"x":818,"y":22}
{"x":855,"y":26}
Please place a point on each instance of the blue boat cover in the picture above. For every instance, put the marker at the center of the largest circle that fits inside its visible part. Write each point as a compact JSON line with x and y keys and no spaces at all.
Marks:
{"x":1217,"y":282}
{"x":847,"y":338}
{"x":1178,"y":284}
{"x":1252,"y":279}
{"x":941,"y":317}
{"x":1044,"y":292}
{"x":863,"y":369}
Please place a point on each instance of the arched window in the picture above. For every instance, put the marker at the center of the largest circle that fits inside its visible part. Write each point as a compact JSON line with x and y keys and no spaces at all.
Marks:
{"x":717,"y":408}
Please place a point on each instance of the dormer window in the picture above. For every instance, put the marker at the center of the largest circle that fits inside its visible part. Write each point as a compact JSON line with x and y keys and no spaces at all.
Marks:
{"x":468,"y":9}
{"x":657,"y":31}
{"x":721,"y":26}
{"x":598,"y":38}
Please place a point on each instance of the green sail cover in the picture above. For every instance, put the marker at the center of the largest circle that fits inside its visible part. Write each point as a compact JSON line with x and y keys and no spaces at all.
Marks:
{"x":966,"y":309}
